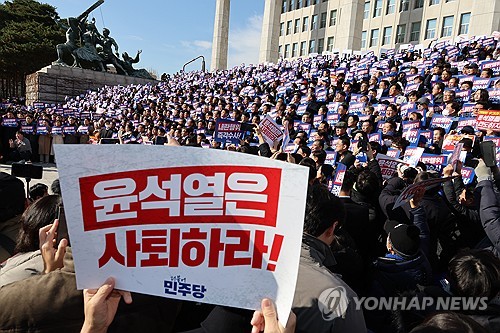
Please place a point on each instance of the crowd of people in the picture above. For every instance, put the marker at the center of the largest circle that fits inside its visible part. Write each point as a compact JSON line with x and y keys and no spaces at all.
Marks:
{"x":345,"y":110}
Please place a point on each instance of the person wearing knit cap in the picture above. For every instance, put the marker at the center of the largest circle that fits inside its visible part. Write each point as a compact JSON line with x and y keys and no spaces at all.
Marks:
{"x":403,"y":240}
{"x":405,"y":265}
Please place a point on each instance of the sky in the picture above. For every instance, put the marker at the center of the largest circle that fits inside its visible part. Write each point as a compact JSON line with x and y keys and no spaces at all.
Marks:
{"x":172,"y":32}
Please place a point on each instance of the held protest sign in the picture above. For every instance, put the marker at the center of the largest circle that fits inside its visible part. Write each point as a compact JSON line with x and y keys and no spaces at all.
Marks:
{"x":338,"y":179}
{"x":388,"y":165}
{"x":410,"y":191}
{"x":412,"y":155}
{"x":455,"y":156}
{"x":488,"y":120}
{"x":270,"y":130}
{"x":451,"y":140}
{"x":185,"y":223}
{"x":230,"y":131}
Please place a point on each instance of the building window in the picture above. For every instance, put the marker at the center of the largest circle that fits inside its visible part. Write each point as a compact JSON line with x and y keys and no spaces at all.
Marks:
{"x":284,"y":6}
{"x":404,"y":5}
{"x":415,"y":31}
{"x":366,"y":12}
{"x":430,"y":30}
{"x":314,"y":22}
{"x":287,"y":50}
{"x":307,"y":3}
{"x":363,"y":39}
{"x":329,"y":44}
{"x":387,"y":36}
{"x":433,"y":2}
{"x":321,"y":45}
{"x":447,"y":26}
{"x":305,"y":24}
{"x":292,"y":5}
{"x":322,"y":21}
{"x":391,"y":7}
{"x":374,"y":38}
{"x":296,"y":27}
{"x":282,"y":28}
{"x":299,"y":4}
{"x":333,"y":17}
{"x":377,"y":9}
{"x":419,"y":4}
{"x":289,"y":27}
{"x":312,"y":46}
{"x":303,"y":49}
{"x":295,"y":49}
{"x":280,"y":50}
{"x":401,"y":33}
{"x":464,"y":23}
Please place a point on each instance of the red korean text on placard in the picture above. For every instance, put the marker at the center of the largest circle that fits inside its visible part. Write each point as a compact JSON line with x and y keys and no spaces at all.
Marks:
{"x":192,"y":248}
{"x":208,"y":194}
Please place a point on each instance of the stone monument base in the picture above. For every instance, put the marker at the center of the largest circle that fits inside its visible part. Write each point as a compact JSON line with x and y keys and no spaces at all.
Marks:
{"x":53,"y":83}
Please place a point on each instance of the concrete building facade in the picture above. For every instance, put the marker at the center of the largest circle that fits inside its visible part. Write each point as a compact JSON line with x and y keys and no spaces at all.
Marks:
{"x":315,"y":26}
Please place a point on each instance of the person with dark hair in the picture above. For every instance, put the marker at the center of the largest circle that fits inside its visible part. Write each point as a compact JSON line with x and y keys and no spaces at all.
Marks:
{"x":317,"y":145}
{"x":55,"y":187}
{"x":304,"y":151}
{"x":323,"y":216}
{"x":437,"y":93}
{"x":319,"y":156}
{"x":405,"y":265}
{"x":449,"y":322}
{"x":356,"y":235}
{"x":309,"y":162}
{"x":344,"y":155}
{"x":28,"y":260}
{"x":38,"y":191}
{"x":460,"y":200}
{"x":20,"y":148}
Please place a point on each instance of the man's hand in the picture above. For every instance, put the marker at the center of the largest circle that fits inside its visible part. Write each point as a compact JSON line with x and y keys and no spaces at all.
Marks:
{"x":266,"y":320}
{"x":100,"y":306}
{"x":369,"y":152}
{"x":448,"y":170}
{"x":257,"y":130}
{"x":52,"y":256}
{"x":11,"y":143}
{"x":417,"y":197}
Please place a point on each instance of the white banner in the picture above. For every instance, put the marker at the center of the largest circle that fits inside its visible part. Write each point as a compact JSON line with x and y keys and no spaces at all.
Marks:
{"x":191,"y":224}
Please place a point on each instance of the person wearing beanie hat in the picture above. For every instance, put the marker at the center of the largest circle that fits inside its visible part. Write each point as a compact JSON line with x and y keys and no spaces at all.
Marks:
{"x":407,"y":245}
{"x":403,"y":239}
{"x":405,"y":265}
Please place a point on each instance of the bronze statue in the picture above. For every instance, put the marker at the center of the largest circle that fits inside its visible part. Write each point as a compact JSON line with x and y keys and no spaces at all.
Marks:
{"x":107,"y":54}
{"x":82,"y":39}
{"x":74,"y":29}
{"x":88,"y":52}
{"x":127,"y":65}
{"x":70,"y":45}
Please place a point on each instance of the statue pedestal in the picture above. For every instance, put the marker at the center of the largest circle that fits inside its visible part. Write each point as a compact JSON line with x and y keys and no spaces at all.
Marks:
{"x":53,"y":83}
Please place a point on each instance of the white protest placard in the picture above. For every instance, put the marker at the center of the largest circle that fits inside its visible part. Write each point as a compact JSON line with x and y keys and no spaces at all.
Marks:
{"x":455,"y":156}
{"x":410,"y":191}
{"x":388,"y":165}
{"x":412,"y":155}
{"x":192,"y":224}
{"x":270,"y":130}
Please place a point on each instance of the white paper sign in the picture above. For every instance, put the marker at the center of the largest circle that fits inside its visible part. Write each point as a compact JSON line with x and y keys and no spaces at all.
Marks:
{"x":270,"y":130}
{"x":191,"y":224}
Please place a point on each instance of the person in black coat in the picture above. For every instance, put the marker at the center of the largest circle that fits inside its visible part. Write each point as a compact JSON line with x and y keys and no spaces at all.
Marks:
{"x":107,"y":131}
